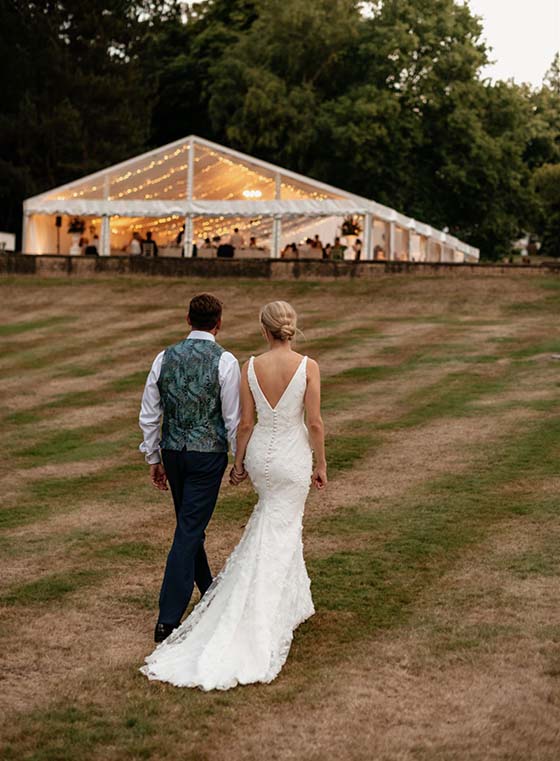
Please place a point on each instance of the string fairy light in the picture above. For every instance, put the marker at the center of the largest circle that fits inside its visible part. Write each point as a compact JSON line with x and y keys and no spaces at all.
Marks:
{"x":227,"y":185}
{"x":217,"y":177}
{"x":154,"y":162}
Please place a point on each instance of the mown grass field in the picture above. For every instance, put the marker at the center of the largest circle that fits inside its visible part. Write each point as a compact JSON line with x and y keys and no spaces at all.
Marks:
{"x":433,"y":554}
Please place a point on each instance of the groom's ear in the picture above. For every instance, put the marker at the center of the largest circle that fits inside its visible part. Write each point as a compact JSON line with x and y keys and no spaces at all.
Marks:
{"x":189,"y":321}
{"x":218,"y":324}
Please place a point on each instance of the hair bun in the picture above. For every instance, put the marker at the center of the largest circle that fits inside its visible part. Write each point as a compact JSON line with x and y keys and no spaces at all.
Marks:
{"x":280,"y":320}
{"x":287,"y":331}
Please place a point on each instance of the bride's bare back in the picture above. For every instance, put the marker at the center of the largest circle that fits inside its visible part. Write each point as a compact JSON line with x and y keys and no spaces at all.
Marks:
{"x":274,"y":371}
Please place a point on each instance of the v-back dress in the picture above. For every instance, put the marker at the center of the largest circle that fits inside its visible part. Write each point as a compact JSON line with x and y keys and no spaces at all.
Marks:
{"x":241,"y":630}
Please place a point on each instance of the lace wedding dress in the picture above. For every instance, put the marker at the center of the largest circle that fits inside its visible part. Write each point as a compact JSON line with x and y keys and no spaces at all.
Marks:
{"x":241,"y":630}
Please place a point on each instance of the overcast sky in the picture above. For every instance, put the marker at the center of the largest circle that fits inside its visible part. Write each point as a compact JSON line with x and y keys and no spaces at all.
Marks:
{"x":524,"y":35}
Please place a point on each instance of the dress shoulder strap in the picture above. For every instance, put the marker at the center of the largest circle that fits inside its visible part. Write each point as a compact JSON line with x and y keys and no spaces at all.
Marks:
{"x":251,"y":376}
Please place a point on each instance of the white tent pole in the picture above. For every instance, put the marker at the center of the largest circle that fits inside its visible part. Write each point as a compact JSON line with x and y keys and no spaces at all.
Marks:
{"x":276,"y":233}
{"x":188,"y":235}
{"x":391,"y":240}
{"x":25,"y":232}
{"x":276,"y":221}
{"x":367,"y":247}
{"x":105,"y":240}
{"x":190,"y":171}
{"x":105,"y":237}
{"x":432,"y":247}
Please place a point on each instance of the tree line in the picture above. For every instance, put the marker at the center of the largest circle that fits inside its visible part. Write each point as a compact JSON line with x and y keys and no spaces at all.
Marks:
{"x":384,"y":99}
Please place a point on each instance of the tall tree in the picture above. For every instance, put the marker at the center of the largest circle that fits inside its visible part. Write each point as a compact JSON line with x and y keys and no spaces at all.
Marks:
{"x":389,"y":105}
{"x":178,"y":57}
{"x":268,"y":89}
{"x":547,"y":186}
{"x":552,"y":76}
{"x":543,"y":158}
{"x":383,"y":98}
{"x":73,"y":98}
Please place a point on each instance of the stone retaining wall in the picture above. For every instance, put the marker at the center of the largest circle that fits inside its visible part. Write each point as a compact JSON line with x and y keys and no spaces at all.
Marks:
{"x":49,"y":265}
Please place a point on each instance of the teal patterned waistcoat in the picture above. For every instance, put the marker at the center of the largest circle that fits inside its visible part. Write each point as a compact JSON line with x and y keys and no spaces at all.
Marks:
{"x":189,"y":386}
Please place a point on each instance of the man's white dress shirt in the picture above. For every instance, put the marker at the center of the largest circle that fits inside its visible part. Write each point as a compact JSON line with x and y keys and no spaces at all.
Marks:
{"x":151,"y":411}
{"x":236,"y":240}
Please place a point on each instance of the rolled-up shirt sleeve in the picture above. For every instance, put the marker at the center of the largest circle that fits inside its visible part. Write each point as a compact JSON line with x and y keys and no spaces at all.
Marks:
{"x":230,"y":379}
{"x":151,"y":413}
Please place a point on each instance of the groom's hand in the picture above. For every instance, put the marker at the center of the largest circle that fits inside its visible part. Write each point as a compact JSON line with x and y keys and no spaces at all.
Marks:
{"x":158,"y":477}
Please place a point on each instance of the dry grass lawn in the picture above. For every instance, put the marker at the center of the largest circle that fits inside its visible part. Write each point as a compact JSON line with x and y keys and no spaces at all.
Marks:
{"x":433,"y":554}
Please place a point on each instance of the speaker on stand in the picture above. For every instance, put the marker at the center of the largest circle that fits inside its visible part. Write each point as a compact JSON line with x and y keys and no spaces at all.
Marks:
{"x":58,"y":223}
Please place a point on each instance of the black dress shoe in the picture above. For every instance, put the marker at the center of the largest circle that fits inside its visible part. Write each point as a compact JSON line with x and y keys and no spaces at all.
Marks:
{"x":163,"y":631}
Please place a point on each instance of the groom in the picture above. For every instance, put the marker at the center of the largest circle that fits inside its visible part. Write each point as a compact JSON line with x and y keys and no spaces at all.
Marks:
{"x":192,"y":396}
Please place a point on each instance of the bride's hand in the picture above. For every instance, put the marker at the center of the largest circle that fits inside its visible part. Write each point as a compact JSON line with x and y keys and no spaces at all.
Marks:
{"x":319,"y":477}
{"x":237,"y":475}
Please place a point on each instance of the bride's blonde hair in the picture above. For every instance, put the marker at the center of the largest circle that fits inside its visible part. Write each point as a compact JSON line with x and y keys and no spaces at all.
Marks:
{"x":280,"y":319}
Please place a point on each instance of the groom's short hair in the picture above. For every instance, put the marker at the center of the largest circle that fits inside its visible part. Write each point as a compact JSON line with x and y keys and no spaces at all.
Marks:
{"x":205,"y":311}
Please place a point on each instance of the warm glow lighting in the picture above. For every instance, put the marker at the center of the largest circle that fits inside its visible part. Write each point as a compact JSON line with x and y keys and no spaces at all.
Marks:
{"x":252,"y":193}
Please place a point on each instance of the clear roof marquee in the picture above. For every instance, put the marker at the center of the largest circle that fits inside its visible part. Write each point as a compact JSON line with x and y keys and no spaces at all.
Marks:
{"x":229,"y":189}
{"x":218,"y":175}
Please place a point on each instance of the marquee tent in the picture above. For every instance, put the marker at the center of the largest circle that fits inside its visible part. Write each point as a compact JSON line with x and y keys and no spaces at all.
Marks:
{"x":210,"y":189}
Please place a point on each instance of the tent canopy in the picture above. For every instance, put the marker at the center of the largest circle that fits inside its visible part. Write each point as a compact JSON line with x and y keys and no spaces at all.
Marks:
{"x":193,"y":180}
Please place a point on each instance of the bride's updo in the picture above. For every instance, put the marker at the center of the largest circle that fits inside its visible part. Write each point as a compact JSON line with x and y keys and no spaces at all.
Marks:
{"x":280,"y":319}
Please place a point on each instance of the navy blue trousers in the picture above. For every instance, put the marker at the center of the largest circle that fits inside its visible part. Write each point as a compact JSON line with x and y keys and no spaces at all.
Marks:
{"x":194,"y":479}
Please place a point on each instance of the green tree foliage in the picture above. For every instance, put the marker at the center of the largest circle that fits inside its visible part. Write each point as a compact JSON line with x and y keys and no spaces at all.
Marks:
{"x":71,"y":93}
{"x":543,"y":125}
{"x":547,"y":186}
{"x":383,"y":98}
{"x":389,"y":105}
{"x":542,"y":156}
{"x":179,"y":57}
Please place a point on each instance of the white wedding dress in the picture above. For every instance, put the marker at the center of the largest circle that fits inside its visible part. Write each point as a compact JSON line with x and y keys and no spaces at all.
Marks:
{"x":241,"y":630}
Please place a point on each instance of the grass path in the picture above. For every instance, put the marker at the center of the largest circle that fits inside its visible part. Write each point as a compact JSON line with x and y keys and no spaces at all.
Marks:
{"x":432,"y":555}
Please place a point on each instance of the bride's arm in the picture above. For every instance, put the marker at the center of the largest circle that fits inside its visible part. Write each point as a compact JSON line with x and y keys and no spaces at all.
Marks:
{"x":246,"y":422}
{"x":315,"y":423}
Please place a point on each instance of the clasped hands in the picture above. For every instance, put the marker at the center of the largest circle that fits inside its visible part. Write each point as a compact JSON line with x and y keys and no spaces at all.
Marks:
{"x":237,"y":475}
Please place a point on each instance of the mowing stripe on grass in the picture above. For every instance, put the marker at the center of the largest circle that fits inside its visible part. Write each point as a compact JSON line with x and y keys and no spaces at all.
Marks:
{"x":357,"y":595}
{"x":52,"y":496}
{"x":51,"y":588}
{"x":16,"y":328}
{"x":414,"y":541}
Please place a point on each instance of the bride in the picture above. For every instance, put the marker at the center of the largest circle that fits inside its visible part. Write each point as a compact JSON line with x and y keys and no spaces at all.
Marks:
{"x":241,"y":630}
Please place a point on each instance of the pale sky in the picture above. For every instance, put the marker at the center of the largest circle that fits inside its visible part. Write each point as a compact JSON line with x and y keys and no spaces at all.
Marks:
{"x":524,"y":35}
